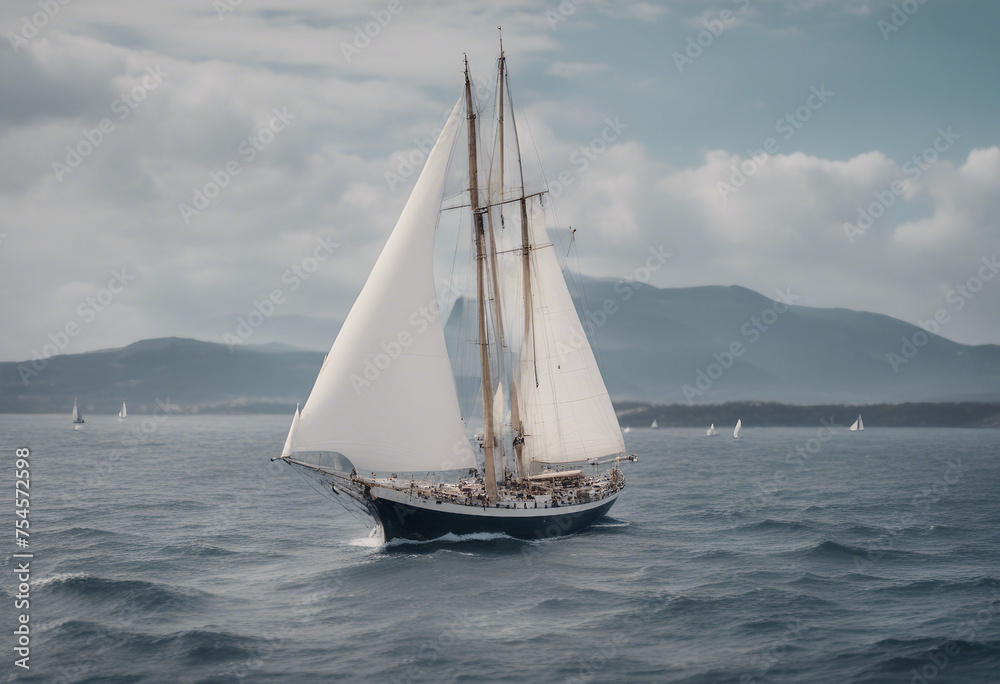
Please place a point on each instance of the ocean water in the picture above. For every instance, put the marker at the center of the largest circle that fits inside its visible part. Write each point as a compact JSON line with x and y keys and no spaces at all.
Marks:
{"x":179,"y":553}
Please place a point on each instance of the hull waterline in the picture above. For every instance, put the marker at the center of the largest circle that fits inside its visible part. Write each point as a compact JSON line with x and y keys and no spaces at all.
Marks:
{"x":405,"y":521}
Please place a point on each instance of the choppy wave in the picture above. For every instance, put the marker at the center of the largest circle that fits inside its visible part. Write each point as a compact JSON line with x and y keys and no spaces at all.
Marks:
{"x":197,"y":551}
{"x":770,"y":525}
{"x":686,"y":583}
{"x":831,"y":550}
{"x":133,"y":594}
{"x":942,"y":659}
{"x":931,"y":586}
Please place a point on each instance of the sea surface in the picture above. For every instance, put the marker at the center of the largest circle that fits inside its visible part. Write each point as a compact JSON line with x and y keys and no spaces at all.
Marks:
{"x":173,"y":550}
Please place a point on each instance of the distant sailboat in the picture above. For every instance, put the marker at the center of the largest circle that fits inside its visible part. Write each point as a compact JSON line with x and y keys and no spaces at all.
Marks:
{"x":739,"y":426}
{"x":77,"y":416}
{"x":123,"y":414}
{"x":859,"y":425}
{"x":654,"y":426}
{"x":627,"y":430}
{"x":712,"y":432}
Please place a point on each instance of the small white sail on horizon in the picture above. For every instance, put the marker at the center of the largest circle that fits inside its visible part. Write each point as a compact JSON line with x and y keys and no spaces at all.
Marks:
{"x":627,"y":430}
{"x":77,"y":416}
{"x":654,"y":426}
{"x":858,"y":425}
{"x":712,"y":432}
{"x":739,"y":426}
{"x":123,"y":413}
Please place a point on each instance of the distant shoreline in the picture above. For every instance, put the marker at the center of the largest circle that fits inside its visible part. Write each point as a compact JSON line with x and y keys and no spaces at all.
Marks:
{"x":772,"y":414}
{"x":641,"y":414}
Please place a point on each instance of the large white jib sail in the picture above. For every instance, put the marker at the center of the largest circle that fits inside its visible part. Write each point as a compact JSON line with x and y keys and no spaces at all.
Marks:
{"x":565,"y":411}
{"x":385,"y":397}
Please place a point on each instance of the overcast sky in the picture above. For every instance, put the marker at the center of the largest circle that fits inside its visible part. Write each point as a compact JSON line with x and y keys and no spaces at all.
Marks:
{"x":842,"y":93}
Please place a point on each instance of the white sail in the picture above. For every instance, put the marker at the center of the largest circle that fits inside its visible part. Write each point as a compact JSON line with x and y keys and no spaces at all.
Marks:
{"x":711,"y":431}
{"x":861,"y":424}
{"x":858,"y":425}
{"x":654,"y":426}
{"x":124,"y":412}
{"x":290,"y":439}
{"x":564,"y":407}
{"x":77,"y":416}
{"x":627,"y":430}
{"x":385,"y":397}
{"x":739,"y":426}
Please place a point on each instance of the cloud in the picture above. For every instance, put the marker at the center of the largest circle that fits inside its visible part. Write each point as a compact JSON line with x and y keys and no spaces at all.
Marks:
{"x":325,"y":174}
{"x":786,"y":227}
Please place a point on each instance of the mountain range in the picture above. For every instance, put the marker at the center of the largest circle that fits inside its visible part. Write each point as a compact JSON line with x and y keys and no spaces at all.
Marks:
{"x":686,"y":346}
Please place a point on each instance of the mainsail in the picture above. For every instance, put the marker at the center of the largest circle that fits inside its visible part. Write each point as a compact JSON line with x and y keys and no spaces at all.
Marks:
{"x":385,"y":397}
{"x":739,"y":426}
{"x":77,"y":416}
{"x":124,"y":412}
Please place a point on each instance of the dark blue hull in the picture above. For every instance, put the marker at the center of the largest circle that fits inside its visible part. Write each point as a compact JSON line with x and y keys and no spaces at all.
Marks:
{"x":402,"y":521}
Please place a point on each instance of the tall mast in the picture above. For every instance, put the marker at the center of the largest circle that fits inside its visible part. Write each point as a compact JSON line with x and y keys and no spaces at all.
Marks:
{"x":484,"y":356}
{"x":495,"y":278}
{"x":496,"y":303}
{"x":529,"y":334}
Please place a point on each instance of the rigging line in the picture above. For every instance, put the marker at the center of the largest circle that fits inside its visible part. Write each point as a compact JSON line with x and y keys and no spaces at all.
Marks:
{"x":569,"y":247}
{"x":538,"y":161}
{"x":495,"y":204}
{"x":517,"y":140}
{"x":518,"y":250}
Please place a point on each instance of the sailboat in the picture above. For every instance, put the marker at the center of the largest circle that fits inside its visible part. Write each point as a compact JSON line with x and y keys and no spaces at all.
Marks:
{"x":858,"y":426}
{"x":77,"y":416}
{"x":712,"y":432}
{"x":654,"y":426}
{"x":382,"y":431}
{"x":739,"y":426}
{"x":626,"y":430}
{"x":123,"y":413}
